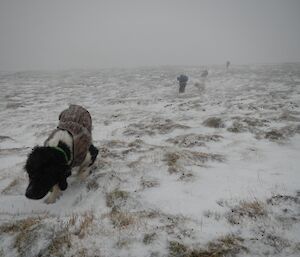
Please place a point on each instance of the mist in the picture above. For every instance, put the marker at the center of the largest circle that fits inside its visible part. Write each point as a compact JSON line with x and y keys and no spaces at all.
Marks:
{"x":68,"y":34}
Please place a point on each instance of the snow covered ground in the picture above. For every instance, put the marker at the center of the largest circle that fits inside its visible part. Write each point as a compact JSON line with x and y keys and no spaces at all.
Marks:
{"x":205,"y":173}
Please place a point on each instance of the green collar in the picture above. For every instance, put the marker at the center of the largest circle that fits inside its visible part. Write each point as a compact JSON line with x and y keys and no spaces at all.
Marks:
{"x":63,"y":152}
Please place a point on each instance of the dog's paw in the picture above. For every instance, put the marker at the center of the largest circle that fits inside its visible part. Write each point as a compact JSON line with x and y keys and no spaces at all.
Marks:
{"x":50,"y":200}
{"x":54,"y":195}
{"x":83,"y":175}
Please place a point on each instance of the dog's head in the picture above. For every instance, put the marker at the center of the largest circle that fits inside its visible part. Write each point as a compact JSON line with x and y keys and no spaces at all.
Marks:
{"x":46,"y":167}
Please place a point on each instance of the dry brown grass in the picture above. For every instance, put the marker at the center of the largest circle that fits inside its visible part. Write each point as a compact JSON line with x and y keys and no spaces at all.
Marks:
{"x":58,"y":245}
{"x":191,"y":140}
{"x":176,"y":161}
{"x":3,"y":138}
{"x":135,"y":164}
{"x":148,"y":183}
{"x":274,"y":135}
{"x":20,"y":225}
{"x":83,"y":252}
{"x":105,"y":153}
{"x":204,"y":157}
{"x":229,"y":245}
{"x":252,"y":210}
{"x":281,"y":134}
{"x":214,"y":122}
{"x":177,"y":249}
{"x":72,"y":221}
{"x":121,"y":220}
{"x":277,"y":199}
{"x":62,"y":239}
{"x":171,"y":159}
{"x":136,"y":143}
{"x":149,"y":238}
{"x":92,"y":185}
{"x":11,"y":185}
{"x":166,"y":126}
{"x":155,"y":126}
{"x":115,"y":198}
{"x":237,"y":127}
{"x":26,"y":231}
{"x":85,"y":224}
{"x":212,"y":214}
{"x":115,"y":143}
{"x":278,"y":243}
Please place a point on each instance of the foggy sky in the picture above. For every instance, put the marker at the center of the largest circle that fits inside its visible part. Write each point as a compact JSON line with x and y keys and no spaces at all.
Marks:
{"x":65,"y":34}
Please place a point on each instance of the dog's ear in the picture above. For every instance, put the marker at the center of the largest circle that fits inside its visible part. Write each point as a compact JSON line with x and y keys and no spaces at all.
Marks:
{"x":63,"y":184}
{"x":32,"y":160}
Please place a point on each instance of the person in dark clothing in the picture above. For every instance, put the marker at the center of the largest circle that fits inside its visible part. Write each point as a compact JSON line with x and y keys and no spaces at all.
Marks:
{"x":182,"y":79}
{"x":227,"y":65}
{"x":204,"y":74}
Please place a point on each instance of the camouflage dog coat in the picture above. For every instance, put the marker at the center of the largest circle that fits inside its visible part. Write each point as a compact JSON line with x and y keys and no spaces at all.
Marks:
{"x":78,"y":122}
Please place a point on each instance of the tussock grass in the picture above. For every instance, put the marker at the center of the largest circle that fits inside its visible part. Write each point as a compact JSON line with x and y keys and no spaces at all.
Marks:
{"x":92,"y":185}
{"x":154,"y":126}
{"x":20,"y":225}
{"x":11,"y":185}
{"x":229,"y":245}
{"x":26,"y":233}
{"x":252,"y":210}
{"x":3,"y":138}
{"x":72,"y":221}
{"x":107,"y":153}
{"x":237,"y":127}
{"x":85,"y":224}
{"x":135,"y":164}
{"x":121,"y":219}
{"x":148,"y":183}
{"x":277,"y":199}
{"x":276,"y":242}
{"x":171,"y":159}
{"x":177,"y":249}
{"x":57,"y":247}
{"x":115,"y":198}
{"x":136,"y":143}
{"x":214,"y":122}
{"x":191,"y":140}
{"x":77,"y":225}
{"x":149,"y":238}
{"x":176,"y":161}
{"x":115,"y":144}
{"x":280,"y":134}
{"x":274,"y":135}
{"x":212,"y":214}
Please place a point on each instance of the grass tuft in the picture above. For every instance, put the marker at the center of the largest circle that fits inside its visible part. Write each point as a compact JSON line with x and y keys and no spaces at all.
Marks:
{"x":252,"y":210}
{"x":114,"y":198}
{"x":229,"y":245}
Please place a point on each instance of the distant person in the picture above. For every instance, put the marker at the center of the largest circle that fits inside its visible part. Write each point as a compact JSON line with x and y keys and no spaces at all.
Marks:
{"x":182,"y":79}
{"x":201,"y":84}
{"x":204,"y":74}
{"x":227,"y":65}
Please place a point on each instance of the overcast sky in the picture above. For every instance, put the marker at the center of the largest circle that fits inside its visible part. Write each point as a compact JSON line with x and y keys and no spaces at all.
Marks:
{"x":65,"y":34}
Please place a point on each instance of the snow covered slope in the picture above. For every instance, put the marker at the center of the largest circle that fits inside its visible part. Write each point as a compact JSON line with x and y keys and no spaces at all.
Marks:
{"x":205,"y":173}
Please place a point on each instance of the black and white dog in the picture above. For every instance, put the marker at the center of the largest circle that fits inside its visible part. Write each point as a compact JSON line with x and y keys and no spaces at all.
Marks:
{"x":69,"y":145}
